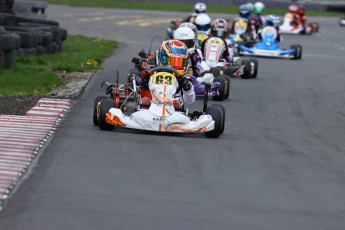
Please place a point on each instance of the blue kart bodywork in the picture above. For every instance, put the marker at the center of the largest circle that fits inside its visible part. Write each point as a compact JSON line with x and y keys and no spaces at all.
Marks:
{"x":268,"y":47}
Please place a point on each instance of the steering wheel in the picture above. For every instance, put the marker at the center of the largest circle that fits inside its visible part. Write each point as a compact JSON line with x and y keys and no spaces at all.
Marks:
{"x":165,"y":69}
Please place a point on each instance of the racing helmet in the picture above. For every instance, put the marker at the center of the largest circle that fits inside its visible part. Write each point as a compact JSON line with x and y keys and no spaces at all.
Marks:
{"x":293,"y":8}
{"x":190,"y":25}
{"x":258,"y":7}
{"x":250,"y":6}
{"x":200,"y":7}
{"x":273,"y":20}
{"x":203,"y":23}
{"x":174,"y":54}
{"x":301,"y":10}
{"x":219,"y":28}
{"x":187,"y":36}
{"x":245,"y":11}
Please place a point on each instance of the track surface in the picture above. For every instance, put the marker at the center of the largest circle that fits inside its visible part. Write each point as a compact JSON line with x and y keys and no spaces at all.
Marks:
{"x":279,"y":164}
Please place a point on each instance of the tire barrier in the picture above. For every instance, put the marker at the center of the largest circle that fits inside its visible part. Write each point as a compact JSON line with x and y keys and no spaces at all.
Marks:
{"x":28,"y":36}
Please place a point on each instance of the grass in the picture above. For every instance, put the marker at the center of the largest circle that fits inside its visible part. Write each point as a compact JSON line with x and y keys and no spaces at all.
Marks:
{"x":180,"y":7}
{"x":37,"y":75}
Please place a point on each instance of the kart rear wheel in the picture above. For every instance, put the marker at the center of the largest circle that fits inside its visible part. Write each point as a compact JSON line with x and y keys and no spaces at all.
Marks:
{"x":215,"y":71}
{"x":96,"y":108}
{"x":229,"y":71}
{"x":223,"y":110}
{"x":256,"y":66}
{"x":221,"y":89}
{"x":227,"y":87}
{"x":246,"y":70}
{"x":315,"y":27}
{"x":218,"y":117}
{"x":105,"y":106}
{"x":298,"y":51}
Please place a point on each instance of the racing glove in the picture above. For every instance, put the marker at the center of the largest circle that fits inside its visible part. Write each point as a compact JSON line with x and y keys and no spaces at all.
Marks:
{"x":184,"y":83}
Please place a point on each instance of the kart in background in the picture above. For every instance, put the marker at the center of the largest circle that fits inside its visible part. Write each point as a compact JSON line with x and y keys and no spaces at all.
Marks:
{"x":268,"y":47}
{"x":213,"y":62}
{"x":288,"y":27}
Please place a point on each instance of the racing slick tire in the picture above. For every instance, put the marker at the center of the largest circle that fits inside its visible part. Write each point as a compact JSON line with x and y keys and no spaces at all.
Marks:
{"x":342,"y":22}
{"x":246,"y":70}
{"x":229,"y":71}
{"x":227,"y":87}
{"x":105,"y":106}
{"x":256,"y":66}
{"x":223,"y":110}
{"x":96,"y":105}
{"x":221,"y":89}
{"x":298,"y":51}
{"x":218,"y":117}
{"x":215,"y":71}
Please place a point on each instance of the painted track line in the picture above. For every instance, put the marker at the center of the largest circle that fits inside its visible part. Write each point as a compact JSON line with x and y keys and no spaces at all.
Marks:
{"x":21,"y":137}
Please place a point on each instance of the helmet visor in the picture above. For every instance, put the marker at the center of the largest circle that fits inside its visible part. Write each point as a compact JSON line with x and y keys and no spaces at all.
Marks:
{"x":203,"y":27}
{"x":219,"y":33}
{"x":176,"y":62}
{"x":190,"y":43}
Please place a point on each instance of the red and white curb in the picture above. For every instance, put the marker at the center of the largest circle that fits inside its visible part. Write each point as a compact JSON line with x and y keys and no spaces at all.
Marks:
{"x":21,"y":137}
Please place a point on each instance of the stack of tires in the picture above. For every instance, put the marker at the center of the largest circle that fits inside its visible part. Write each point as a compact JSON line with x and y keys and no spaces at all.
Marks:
{"x":28,"y":36}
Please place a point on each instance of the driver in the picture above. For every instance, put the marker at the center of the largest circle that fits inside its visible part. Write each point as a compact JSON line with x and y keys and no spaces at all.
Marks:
{"x":293,"y":9}
{"x":274,"y":21}
{"x":173,"y":54}
{"x":199,"y":8}
{"x":186,"y":33}
{"x":302,"y":17}
{"x":220,"y":29}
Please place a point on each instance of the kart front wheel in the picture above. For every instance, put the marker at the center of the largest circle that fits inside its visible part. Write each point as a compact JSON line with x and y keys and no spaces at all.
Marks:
{"x":105,"y":106}
{"x":96,"y":108}
{"x":246,"y":70}
{"x":298,"y":51}
{"x":221,"y":89}
{"x":227,"y":87}
{"x":256,"y":66}
{"x":223,"y":110}
{"x":218,"y":117}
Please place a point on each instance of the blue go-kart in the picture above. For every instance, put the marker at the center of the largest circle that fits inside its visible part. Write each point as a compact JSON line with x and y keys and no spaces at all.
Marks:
{"x":268,"y":47}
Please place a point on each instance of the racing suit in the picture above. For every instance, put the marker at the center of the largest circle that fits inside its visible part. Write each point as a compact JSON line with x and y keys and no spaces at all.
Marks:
{"x":228,"y":53}
{"x":184,"y":93}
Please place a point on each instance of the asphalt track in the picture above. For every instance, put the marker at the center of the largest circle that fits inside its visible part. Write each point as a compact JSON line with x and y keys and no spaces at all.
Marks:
{"x":279,"y":164}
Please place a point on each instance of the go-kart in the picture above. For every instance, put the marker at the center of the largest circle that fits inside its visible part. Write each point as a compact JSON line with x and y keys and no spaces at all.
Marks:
{"x":268,"y":47}
{"x":288,"y":27}
{"x":213,"y":62}
{"x":126,"y":109}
